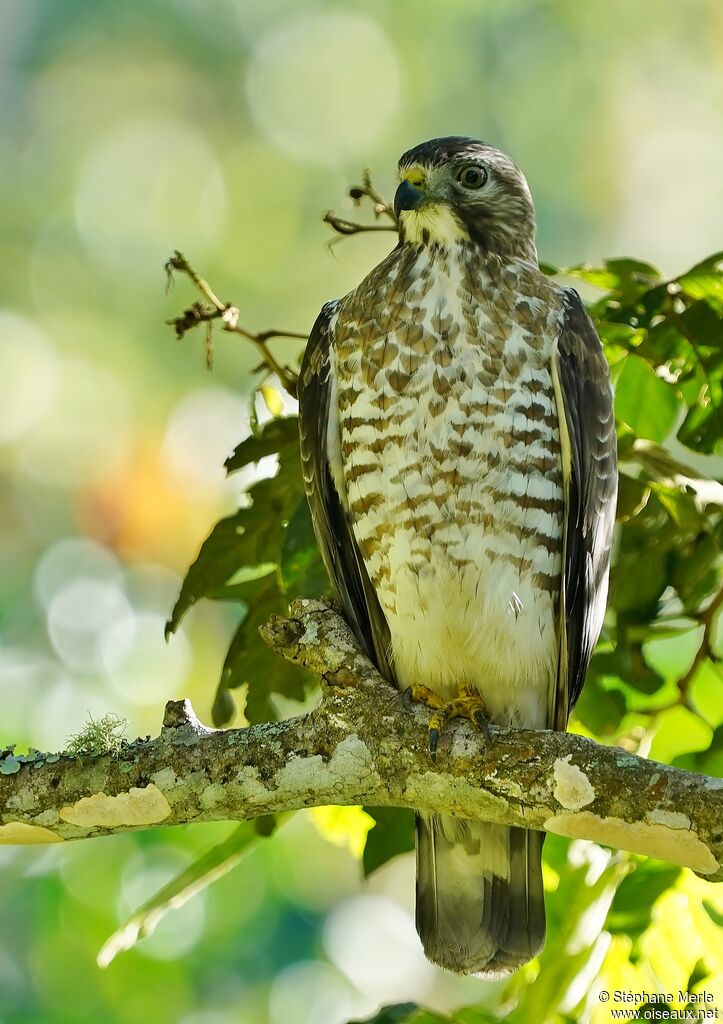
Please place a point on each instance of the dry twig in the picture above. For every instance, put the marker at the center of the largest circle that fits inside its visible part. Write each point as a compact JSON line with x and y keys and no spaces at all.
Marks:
{"x":357,"y":194}
{"x":707,"y":620}
{"x":214,"y":309}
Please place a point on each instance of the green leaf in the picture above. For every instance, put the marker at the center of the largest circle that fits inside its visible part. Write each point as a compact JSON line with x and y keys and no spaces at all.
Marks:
{"x":583,"y":894}
{"x":702,"y":328}
{"x":215,"y":563}
{"x":679,"y":732}
{"x":633,"y":496}
{"x":644,"y":401}
{"x":392,"y":834}
{"x":708,"y":761}
{"x":213,"y":865}
{"x":474,"y":1015}
{"x":631,"y":910}
{"x":277,"y":437}
{"x":302,"y":570}
{"x":715,"y":915}
{"x":249,"y":660}
{"x":250,"y":537}
{"x":600,"y":710}
{"x":404,"y":1013}
{"x":705,"y":281}
{"x":625,"y":278}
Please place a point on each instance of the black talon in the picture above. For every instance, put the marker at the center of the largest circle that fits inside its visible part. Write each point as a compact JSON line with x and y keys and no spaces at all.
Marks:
{"x":483,"y":724}
{"x":433,"y":741}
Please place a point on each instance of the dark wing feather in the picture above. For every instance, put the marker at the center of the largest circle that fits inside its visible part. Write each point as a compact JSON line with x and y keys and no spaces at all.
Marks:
{"x":321,"y":466}
{"x":592,"y":488}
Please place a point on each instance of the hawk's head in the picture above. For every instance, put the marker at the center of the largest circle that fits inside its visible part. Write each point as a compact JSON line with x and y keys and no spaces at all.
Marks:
{"x":459,"y":189}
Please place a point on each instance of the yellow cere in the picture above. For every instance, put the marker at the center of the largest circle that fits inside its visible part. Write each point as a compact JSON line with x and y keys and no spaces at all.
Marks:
{"x":414,"y":175}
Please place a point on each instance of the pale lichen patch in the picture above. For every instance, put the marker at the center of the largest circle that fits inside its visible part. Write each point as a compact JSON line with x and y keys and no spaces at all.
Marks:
{"x":165,"y":779}
{"x":145,"y":806}
{"x":17,"y":833}
{"x":300,"y":774}
{"x":252,"y":788}
{"x":673,"y":819}
{"x":676,"y":845}
{"x":352,"y":756}
{"x":350,"y":764}
{"x":212,"y":795}
{"x":573,"y":790}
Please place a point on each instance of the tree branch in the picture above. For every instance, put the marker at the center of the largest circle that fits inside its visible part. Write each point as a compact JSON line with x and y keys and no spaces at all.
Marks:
{"x":361,"y":745}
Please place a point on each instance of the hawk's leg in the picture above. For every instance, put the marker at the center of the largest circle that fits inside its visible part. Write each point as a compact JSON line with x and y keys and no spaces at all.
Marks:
{"x":467,"y":704}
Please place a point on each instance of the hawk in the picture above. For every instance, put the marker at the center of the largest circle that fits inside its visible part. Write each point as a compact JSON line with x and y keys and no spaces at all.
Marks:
{"x":459,"y":457}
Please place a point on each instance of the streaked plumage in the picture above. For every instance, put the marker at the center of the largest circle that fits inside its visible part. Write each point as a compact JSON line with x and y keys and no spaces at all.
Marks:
{"x":458,"y":449}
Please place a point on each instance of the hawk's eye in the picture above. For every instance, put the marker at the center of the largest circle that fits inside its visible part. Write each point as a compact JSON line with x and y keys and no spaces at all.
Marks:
{"x":472,"y":176}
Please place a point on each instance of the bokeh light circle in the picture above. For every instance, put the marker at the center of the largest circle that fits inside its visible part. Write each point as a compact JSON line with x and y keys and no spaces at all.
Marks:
{"x":324,"y":87}
{"x":29,"y":371}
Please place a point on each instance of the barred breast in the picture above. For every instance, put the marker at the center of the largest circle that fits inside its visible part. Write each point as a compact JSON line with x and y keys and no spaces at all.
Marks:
{"x":451,"y":459}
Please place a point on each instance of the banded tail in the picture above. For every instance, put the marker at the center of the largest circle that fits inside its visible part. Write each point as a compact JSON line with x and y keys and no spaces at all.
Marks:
{"x":480,"y":900}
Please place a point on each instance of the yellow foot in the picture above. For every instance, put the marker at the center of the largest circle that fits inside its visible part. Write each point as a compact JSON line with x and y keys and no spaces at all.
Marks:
{"x":468,"y":704}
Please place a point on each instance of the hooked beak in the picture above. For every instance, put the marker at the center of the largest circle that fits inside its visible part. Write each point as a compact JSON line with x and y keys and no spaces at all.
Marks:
{"x":407,"y":197}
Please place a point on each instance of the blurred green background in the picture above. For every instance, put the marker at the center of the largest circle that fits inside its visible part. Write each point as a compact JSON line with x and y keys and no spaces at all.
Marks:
{"x":224,"y":129}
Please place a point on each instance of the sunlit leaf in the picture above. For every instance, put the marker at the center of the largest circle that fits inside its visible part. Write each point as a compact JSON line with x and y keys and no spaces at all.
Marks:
{"x":576,"y":915}
{"x":343,"y":826}
{"x":705,"y":281}
{"x":679,"y":731}
{"x":647,"y":403}
{"x":600,"y":710}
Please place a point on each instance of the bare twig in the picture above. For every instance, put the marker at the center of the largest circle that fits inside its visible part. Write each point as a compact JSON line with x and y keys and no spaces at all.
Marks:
{"x":214,"y":309}
{"x":357,"y":194}
{"x":706,"y":619}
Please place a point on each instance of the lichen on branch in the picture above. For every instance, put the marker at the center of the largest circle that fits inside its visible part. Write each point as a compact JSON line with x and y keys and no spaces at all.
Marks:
{"x":361,"y":745}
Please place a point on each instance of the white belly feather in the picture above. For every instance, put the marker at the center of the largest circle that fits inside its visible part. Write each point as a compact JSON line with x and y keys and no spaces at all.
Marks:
{"x":458,"y":522}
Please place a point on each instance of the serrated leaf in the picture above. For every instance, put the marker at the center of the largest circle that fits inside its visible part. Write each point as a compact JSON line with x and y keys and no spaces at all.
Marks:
{"x":213,"y":865}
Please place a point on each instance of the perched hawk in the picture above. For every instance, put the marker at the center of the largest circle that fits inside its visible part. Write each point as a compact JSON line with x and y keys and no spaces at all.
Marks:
{"x":458,"y":448}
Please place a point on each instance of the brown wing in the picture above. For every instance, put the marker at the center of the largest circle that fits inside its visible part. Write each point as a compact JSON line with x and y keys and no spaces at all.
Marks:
{"x":591,"y":480}
{"x":323,"y":480}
